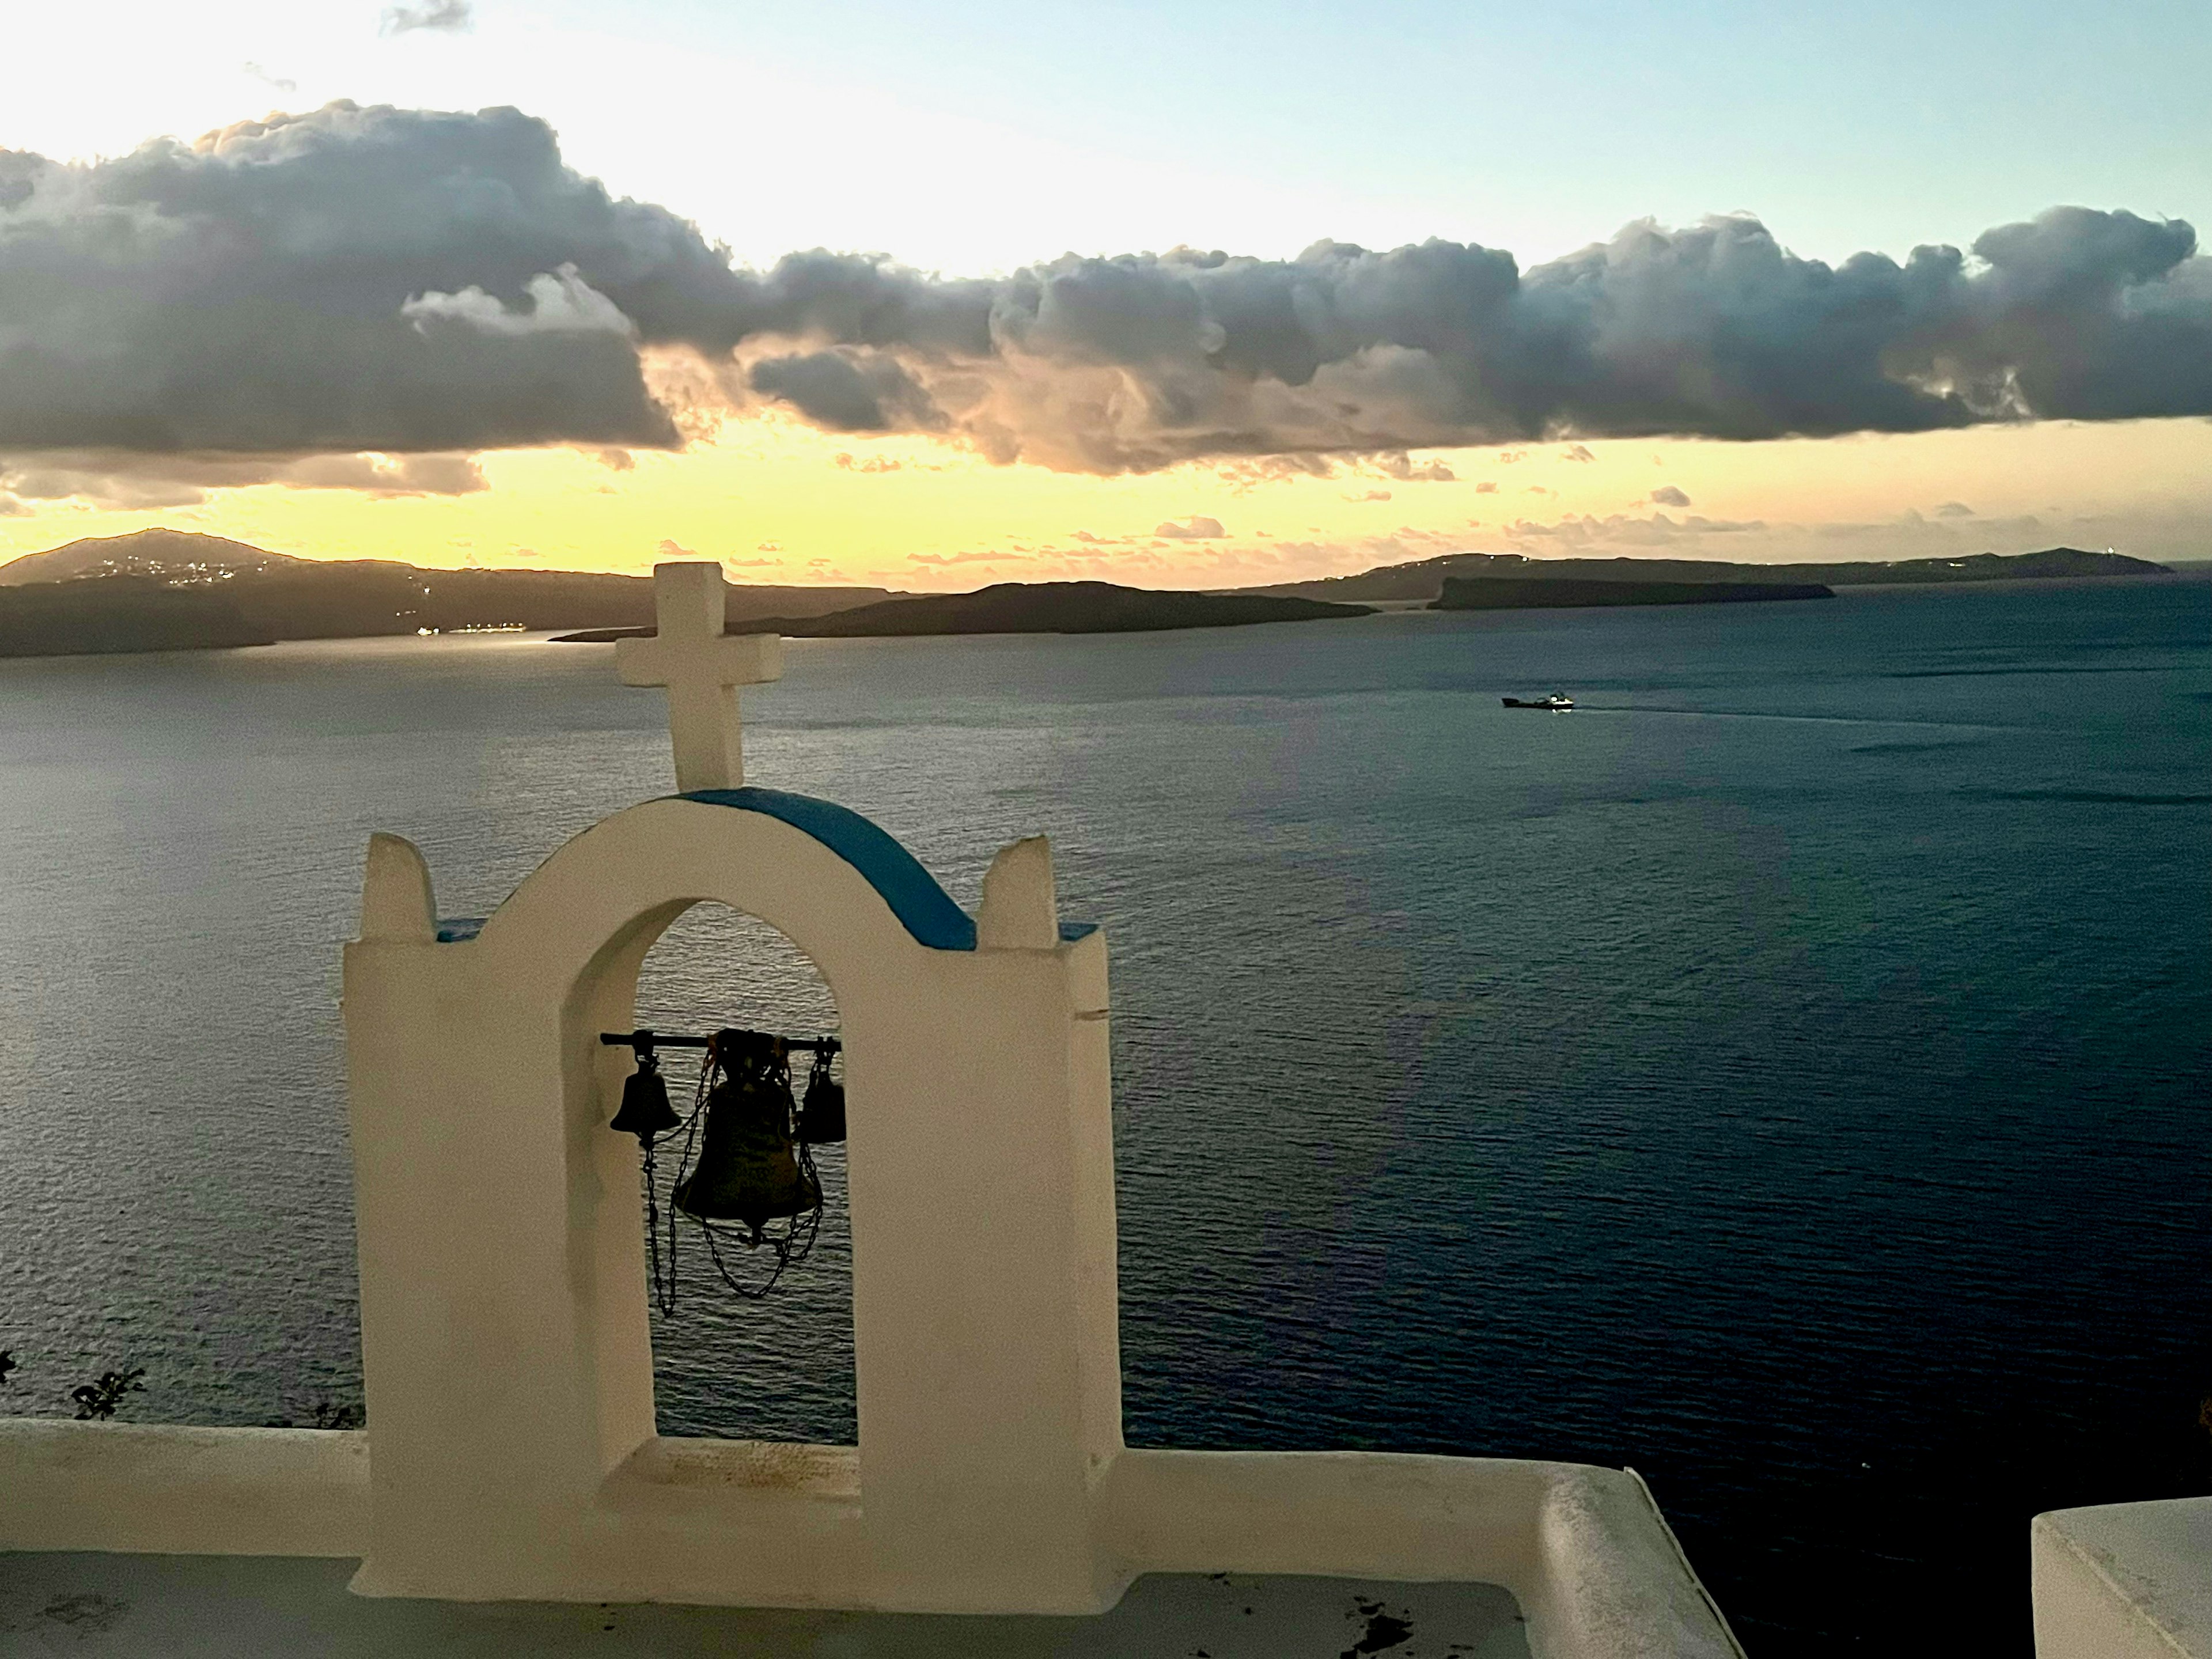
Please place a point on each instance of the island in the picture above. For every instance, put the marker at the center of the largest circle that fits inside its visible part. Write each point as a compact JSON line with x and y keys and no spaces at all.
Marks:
{"x":1514,"y":593}
{"x":169,"y":590}
{"x":1033,"y":608}
{"x":114,"y":614}
{"x":1422,"y":579}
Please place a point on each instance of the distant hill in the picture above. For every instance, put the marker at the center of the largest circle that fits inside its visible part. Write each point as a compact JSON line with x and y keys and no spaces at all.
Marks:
{"x":120,"y":614}
{"x":69,"y":597}
{"x":1512,"y":593}
{"x":1039,"y":608}
{"x":1425,"y":579}
{"x":141,"y":553}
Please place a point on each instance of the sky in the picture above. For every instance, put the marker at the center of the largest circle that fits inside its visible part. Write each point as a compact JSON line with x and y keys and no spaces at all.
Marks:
{"x":927,"y":295}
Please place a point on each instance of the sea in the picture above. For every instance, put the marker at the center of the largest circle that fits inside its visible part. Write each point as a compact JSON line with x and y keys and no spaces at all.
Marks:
{"x":1786,"y":1075}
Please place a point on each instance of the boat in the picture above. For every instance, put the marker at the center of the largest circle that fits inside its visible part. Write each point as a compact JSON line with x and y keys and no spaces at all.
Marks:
{"x":1558,"y":700}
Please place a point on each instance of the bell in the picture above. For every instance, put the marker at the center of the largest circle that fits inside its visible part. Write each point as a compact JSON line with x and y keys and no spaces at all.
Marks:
{"x":821,"y":1114}
{"x":748,"y":1167}
{"x":645,"y":1111}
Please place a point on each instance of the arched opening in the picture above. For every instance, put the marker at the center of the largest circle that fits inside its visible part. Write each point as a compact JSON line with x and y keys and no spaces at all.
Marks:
{"x":781,"y":1367}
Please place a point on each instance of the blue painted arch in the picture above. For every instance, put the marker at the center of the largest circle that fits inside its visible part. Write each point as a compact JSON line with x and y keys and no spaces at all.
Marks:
{"x":923,"y":908}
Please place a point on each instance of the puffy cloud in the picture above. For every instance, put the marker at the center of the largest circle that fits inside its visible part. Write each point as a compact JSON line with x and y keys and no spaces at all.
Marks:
{"x":351,"y":280}
{"x":122,"y":479}
{"x":1370,"y":496}
{"x":561,"y":303}
{"x":445,"y":17}
{"x":388,"y":281}
{"x":1406,"y":469}
{"x":848,"y":391}
{"x":1620,"y":529}
{"x":1668,"y":496}
{"x":1199,"y":529}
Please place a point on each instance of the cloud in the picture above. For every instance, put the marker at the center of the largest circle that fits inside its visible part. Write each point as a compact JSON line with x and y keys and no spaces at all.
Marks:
{"x":120,"y":478}
{"x":350,"y":280}
{"x":444,"y":16}
{"x":561,"y":303}
{"x":1954,"y":510}
{"x":1668,"y":496}
{"x":670,"y":548}
{"x":1576,"y":452}
{"x":849,"y":390}
{"x":1274,"y":468}
{"x":275,"y":82}
{"x":376,"y":280}
{"x":768,"y":547}
{"x":1485,"y":487}
{"x":1370,"y":496}
{"x":751,"y":564}
{"x":943,"y":559}
{"x":849,"y":462}
{"x":1910,"y":529}
{"x":1403,"y":468}
{"x":1199,"y":529}
{"x":1624,"y":530}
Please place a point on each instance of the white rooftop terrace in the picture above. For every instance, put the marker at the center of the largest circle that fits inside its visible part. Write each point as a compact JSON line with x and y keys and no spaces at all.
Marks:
{"x":134,"y":1607}
{"x":511,"y":1494}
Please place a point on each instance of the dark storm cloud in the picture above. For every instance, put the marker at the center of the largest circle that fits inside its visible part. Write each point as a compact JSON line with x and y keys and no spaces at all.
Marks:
{"x":846,"y":390}
{"x":388,"y":281}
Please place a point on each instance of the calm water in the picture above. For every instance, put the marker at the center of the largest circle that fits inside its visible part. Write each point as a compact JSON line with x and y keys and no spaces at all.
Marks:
{"x":1786,"y":1075}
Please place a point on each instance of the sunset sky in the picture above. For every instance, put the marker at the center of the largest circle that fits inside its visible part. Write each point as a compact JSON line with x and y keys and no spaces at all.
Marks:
{"x":1578,"y":278}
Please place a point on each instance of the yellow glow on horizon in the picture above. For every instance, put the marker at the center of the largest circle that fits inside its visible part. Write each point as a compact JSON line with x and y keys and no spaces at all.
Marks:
{"x":774,"y":501}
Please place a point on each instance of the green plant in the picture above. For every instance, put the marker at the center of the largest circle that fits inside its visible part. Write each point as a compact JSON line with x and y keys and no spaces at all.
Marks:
{"x":100,"y":1398}
{"x":323,"y":1413}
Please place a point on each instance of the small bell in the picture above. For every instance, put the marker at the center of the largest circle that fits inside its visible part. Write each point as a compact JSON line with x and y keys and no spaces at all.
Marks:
{"x":822,"y":1115}
{"x":645,"y":1111}
{"x":748,"y":1168}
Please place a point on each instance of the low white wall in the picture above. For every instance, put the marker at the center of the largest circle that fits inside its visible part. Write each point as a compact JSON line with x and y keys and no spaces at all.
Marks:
{"x":2124,"y":1581}
{"x":1583,"y":1549}
{"x":147,"y":1488}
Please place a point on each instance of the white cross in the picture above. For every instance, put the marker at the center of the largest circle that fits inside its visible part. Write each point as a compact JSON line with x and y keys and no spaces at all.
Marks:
{"x":703,"y":668}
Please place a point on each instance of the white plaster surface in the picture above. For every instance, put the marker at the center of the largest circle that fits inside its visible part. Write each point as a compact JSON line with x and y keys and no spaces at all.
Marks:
{"x":2124,"y":1581}
{"x":507,"y":1365}
{"x":109,"y":1606}
{"x":69,"y":1486}
{"x":701,"y":668}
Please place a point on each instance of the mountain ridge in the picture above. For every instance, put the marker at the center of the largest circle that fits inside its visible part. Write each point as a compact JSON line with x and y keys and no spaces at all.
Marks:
{"x":155,"y":552}
{"x":1422,"y":579}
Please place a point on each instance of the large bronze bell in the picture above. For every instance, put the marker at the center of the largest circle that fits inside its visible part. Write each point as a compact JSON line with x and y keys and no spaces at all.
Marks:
{"x":645,"y":1111}
{"x":748,"y":1168}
